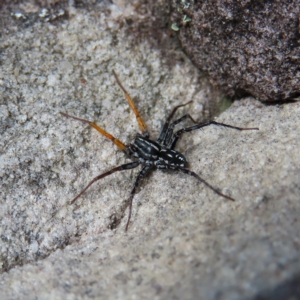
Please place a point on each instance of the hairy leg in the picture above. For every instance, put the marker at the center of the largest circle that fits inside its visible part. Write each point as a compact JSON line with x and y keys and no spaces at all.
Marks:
{"x":142,"y":173}
{"x":131,"y":165}
{"x":166,"y":125}
{"x":203,"y":181}
{"x":198,"y":126}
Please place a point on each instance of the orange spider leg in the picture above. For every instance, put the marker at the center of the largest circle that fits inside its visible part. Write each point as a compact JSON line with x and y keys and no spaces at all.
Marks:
{"x":117,"y":142}
{"x":140,"y":120}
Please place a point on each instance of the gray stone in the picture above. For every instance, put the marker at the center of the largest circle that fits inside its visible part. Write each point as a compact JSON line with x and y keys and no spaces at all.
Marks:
{"x":247,"y":47}
{"x":184,"y":241}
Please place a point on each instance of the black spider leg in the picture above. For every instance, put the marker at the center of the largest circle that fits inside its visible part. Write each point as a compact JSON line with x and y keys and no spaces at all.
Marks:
{"x":166,"y":125}
{"x":177,"y":134}
{"x":203,"y":181}
{"x":169,"y":133}
{"x":131,"y":165}
{"x":142,"y":173}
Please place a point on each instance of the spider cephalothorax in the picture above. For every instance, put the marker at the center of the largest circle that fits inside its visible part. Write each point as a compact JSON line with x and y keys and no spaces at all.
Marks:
{"x":159,"y":154}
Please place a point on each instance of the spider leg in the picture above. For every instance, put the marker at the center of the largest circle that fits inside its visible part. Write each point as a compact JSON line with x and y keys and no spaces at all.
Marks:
{"x":117,"y":142}
{"x":169,"y":133}
{"x":203,"y":181}
{"x":142,"y":173}
{"x":140,"y":120}
{"x":128,"y":166}
{"x":166,"y":125}
{"x":177,"y":134}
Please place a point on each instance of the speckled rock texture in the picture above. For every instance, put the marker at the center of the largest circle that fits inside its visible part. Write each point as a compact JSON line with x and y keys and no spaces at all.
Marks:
{"x":184,"y":241}
{"x":250,"y":47}
{"x":66,"y":65}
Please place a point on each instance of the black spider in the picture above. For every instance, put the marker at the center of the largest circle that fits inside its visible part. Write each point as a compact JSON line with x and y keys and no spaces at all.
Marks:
{"x":150,"y":154}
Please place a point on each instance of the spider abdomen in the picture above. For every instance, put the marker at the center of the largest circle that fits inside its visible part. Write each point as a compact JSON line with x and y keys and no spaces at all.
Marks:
{"x":169,"y":158}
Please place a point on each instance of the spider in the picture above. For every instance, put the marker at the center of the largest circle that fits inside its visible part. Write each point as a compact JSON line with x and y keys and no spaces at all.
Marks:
{"x":150,"y":154}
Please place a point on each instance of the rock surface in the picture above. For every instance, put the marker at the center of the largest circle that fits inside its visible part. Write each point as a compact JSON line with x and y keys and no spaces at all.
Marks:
{"x":247,"y":47}
{"x":45,"y":158}
{"x":184,"y":241}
